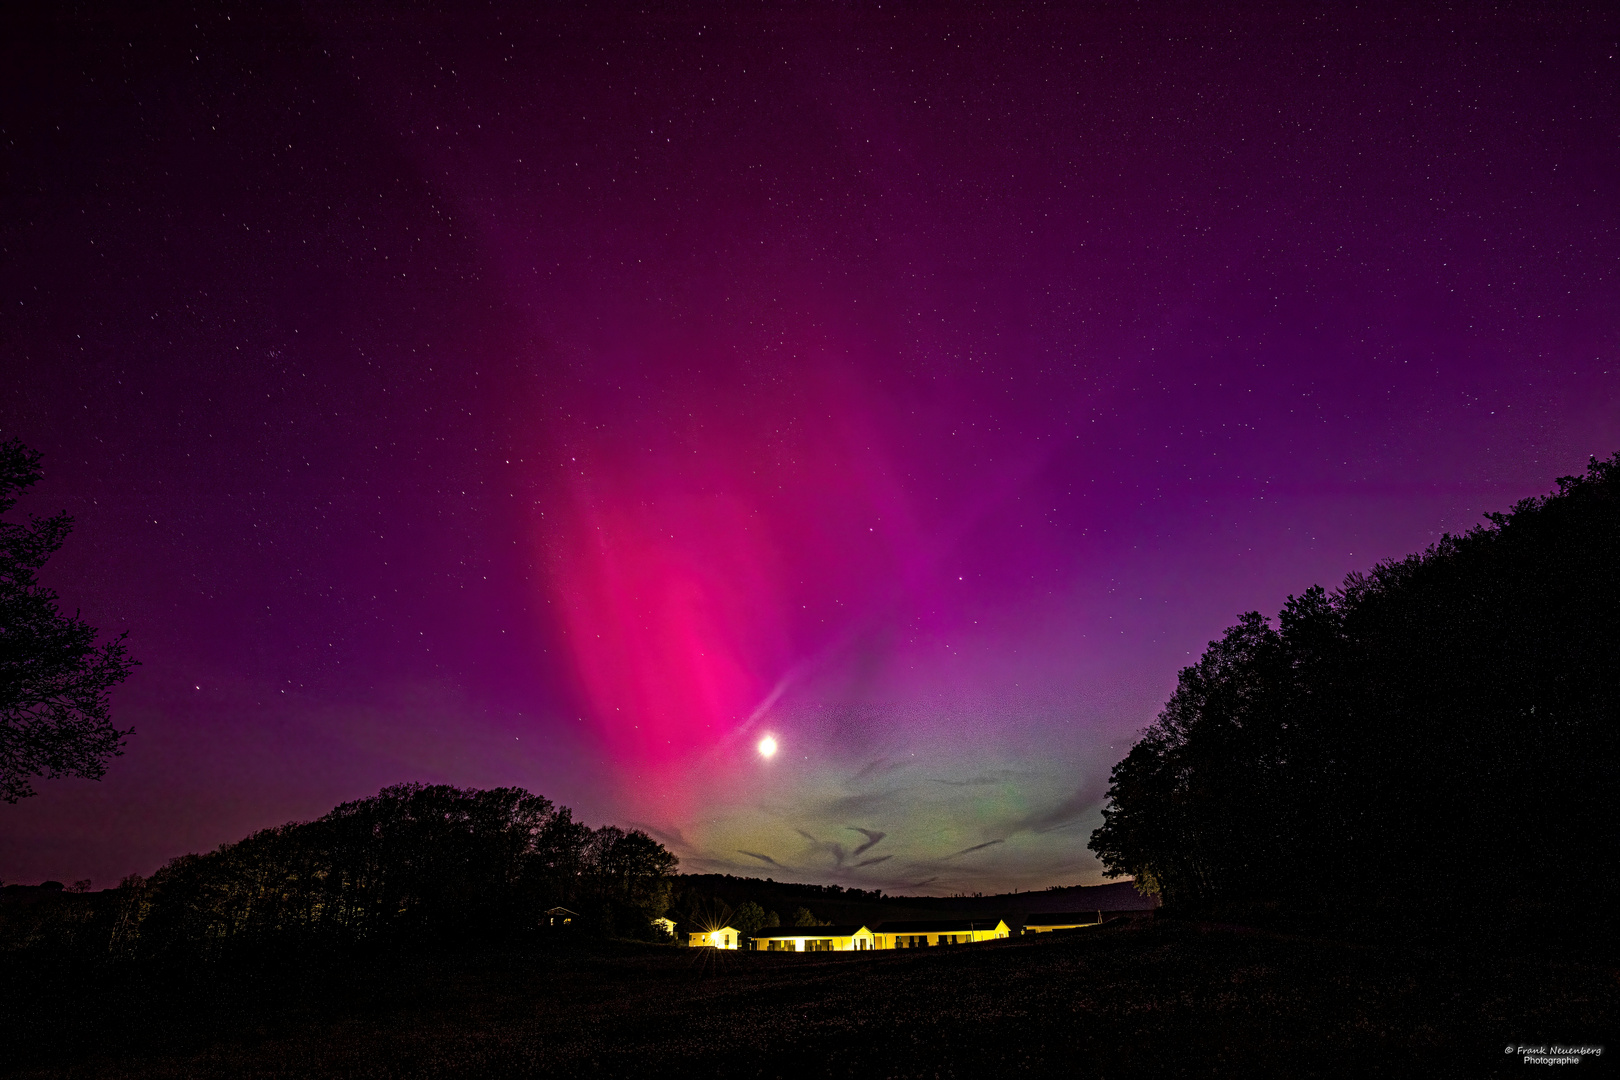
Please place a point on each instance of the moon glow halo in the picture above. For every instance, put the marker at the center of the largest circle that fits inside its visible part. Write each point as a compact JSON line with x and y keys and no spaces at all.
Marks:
{"x":767,"y":746}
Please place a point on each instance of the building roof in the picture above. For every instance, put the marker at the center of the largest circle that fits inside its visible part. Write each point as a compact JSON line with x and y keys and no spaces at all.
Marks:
{"x":1062,"y":918}
{"x":836,"y":930}
{"x":937,"y":926}
{"x":718,"y":930}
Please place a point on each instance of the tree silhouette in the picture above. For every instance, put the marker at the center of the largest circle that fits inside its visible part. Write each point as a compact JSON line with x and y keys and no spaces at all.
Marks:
{"x":749,"y":917}
{"x":413,"y":865}
{"x":54,"y":679}
{"x":1401,"y":737}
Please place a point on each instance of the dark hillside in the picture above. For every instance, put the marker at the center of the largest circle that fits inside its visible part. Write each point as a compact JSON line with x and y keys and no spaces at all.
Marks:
{"x":709,"y":895}
{"x":1111,"y":896}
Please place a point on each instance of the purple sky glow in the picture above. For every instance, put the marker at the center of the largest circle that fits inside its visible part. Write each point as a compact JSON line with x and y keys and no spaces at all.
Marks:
{"x":569,"y":400}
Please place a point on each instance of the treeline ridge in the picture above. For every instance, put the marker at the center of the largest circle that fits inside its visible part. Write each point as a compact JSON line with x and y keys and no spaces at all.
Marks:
{"x":413,"y":864}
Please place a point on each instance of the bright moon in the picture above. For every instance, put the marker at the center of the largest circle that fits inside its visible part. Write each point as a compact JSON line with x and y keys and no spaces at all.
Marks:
{"x":767,"y":746}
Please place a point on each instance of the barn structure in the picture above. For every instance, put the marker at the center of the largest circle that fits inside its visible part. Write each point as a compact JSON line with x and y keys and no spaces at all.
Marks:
{"x":851,"y":937}
{"x":932,"y":932}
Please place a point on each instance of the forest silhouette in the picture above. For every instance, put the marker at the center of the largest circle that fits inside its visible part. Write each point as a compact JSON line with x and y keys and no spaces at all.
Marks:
{"x":411,"y":866}
{"x":1439,"y":731}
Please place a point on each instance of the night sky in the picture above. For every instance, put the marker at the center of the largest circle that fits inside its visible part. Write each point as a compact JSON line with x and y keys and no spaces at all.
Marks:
{"x":570,"y":400}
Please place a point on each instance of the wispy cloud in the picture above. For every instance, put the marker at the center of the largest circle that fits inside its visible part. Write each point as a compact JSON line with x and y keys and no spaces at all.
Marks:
{"x":1083,"y":801}
{"x":670,"y":837}
{"x":766,"y":859}
{"x":976,"y":847}
{"x":710,"y":863}
{"x":858,"y":806}
{"x":1000,"y":776}
{"x":872,"y":838}
{"x":880,"y":767}
{"x":874,"y":861}
{"x":838,"y":852}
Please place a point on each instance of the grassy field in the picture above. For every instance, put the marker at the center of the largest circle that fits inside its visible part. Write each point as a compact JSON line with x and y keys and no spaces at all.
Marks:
{"x":1146,"y":999}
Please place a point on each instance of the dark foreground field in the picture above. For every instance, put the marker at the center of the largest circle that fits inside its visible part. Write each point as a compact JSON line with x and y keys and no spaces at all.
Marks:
{"x":1150,"y":999}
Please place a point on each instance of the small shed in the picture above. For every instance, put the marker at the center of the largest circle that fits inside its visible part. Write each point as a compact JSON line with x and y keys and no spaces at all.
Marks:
{"x":847,"y":937}
{"x":666,"y":925}
{"x":560,"y":916}
{"x":723,"y":937}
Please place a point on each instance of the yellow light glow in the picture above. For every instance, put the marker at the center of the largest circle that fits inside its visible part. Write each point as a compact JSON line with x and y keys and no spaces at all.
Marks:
{"x":767,"y":746}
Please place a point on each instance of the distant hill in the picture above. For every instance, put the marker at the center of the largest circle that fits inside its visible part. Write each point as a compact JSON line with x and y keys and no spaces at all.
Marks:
{"x":699,"y":895}
{"x":1113,"y":896}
